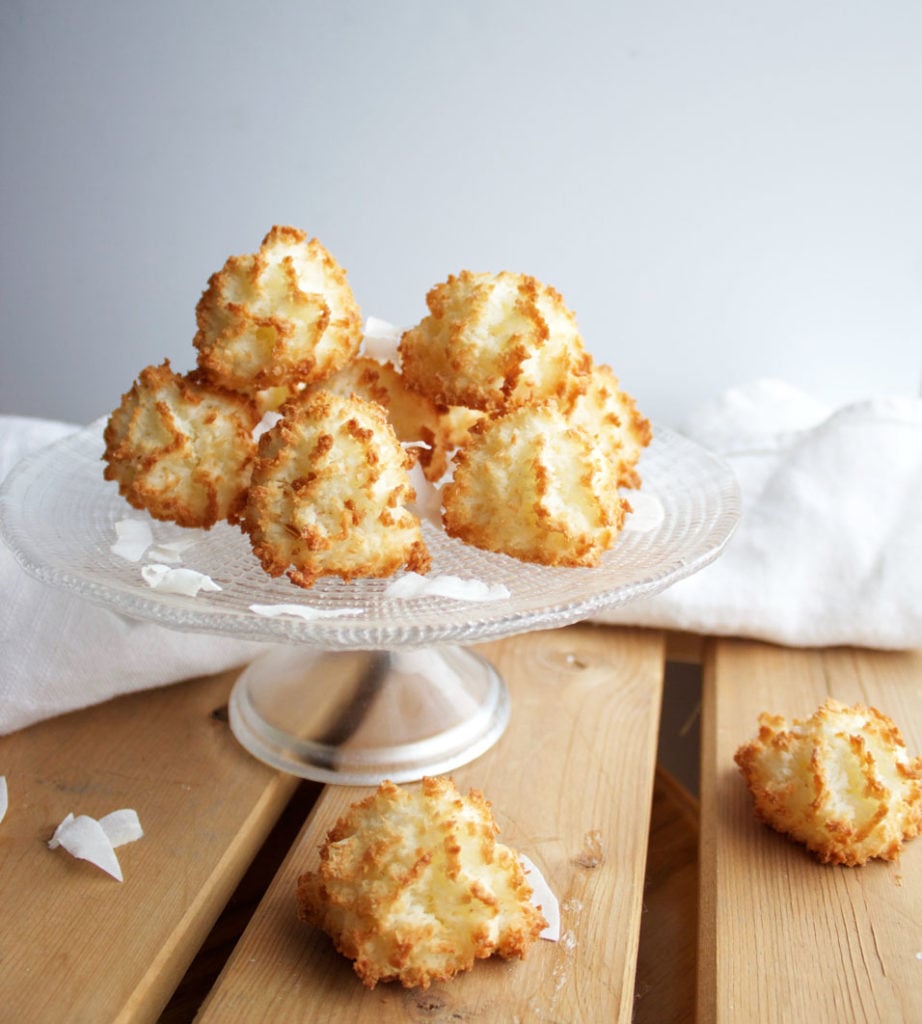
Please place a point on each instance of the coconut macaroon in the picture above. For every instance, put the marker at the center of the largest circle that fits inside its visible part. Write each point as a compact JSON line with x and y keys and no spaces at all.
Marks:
{"x":181,"y":448}
{"x":413,"y":886}
{"x":457,"y":421}
{"x":612,"y":414}
{"x":282,"y":315}
{"x":841,"y":782}
{"x":495,"y":342}
{"x":413,"y":415}
{"x":531,"y":485}
{"x":328,"y":494}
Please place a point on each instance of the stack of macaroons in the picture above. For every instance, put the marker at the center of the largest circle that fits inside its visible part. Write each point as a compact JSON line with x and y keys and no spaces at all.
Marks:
{"x":494,"y":393}
{"x":537,"y":475}
{"x":325,"y":490}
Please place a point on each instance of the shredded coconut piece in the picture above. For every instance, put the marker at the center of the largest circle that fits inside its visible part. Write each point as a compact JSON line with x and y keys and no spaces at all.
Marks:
{"x":412,"y":584}
{"x":122,"y":826}
{"x":543,"y":899}
{"x":177,"y":581}
{"x":428,"y":501}
{"x":302,"y":611}
{"x":4,"y":797}
{"x":381,"y":340}
{"x":171,"y":551}
{"x":646,"y":514}
{"x":95,"y":840}
{"x":269,"y":420}
{"x":54,"y":842}
{"x":133,"y":538}
{"x":84,"y":838}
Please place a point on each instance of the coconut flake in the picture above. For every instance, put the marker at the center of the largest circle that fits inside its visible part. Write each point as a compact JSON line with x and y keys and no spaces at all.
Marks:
{"x":302,"y":611}
{"x":54,"y":842}
{"x":171,"y":551}
{"x":84,"y":838}
{"x":122,"y":826}
{"x":268,"y":421}
{"x":133,"y":538}
{"x":541,"y":896}
{"x":381,"y":340}
{"x":187,"y":582}
{"x":412,"y":584}
{"x":4,"y":797}
{"x":647,"y":513}
{"x":428,"y":501}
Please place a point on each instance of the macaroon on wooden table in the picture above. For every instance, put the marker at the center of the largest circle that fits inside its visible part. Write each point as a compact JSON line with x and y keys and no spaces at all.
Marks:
{"x":670,"y":910}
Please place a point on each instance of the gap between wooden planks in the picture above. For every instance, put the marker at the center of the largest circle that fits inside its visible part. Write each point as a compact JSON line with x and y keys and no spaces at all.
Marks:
{"x":575,"y":768}
{"x":782,"y":937}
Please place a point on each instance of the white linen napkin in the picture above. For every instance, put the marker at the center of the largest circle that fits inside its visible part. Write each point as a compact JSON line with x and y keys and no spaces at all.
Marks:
{"x":828,"y":550}
{"x":59,"y":652}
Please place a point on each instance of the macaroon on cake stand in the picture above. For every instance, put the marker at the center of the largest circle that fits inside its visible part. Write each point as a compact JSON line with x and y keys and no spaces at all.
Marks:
{"x":357,"y":683}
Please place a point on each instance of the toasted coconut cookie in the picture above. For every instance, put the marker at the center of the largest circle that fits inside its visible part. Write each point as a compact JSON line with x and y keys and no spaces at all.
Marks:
{"x":413,"y":886}
{"x":328,"y":494}
{"x":272,"y":399}
{"x":531,"y":485}
{"x":610,"y":413}
{"x":278,"y":316}
{"x":414,"y":416}
{"x":181,"y":448}
{"x":457,"y":422}
{"x":494,"y":342}
{"x":840,"y":782}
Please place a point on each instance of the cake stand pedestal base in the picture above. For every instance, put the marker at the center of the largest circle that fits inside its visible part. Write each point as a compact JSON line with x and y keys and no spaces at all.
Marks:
{"x":359,"y":717}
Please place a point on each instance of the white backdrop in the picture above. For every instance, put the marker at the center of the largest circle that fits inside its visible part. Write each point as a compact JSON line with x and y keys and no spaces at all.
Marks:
{"x":720,"y":190}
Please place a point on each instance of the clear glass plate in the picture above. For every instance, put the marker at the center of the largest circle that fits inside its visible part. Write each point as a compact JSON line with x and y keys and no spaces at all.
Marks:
{"x":391,"y":690}
{"x":58,"y":515}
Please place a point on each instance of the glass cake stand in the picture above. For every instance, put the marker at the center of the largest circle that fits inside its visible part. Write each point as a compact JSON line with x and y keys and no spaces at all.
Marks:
{"x":372,"y":686}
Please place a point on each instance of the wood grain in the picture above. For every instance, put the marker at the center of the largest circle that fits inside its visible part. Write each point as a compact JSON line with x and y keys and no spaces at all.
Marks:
{"x":576,"y":761}
{"x":75,"y":944}
{"x":782,"y":937}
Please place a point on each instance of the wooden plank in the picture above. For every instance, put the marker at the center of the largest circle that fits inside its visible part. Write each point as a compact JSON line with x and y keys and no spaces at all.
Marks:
{"x":783,"y":937}
{"x":576,"y":762}
{"x":75,"y":944}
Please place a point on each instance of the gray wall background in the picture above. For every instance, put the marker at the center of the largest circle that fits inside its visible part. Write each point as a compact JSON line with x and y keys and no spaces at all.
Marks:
{"x":720,"y":190}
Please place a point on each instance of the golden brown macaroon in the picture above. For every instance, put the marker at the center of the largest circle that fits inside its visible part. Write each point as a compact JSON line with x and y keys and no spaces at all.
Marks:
{"x":841,"y":782}
{"x":457,"y":423}
{"x":495,"y":342}
{"x":531,"y":485}
{"x":414,"y":416}
{"x":272,"y":399}
{"x":612,"y":414}
{"x":278,"y":316}
{"x":328,"y":494}
{"x":413,"y":886}
{"x":181,"y":448}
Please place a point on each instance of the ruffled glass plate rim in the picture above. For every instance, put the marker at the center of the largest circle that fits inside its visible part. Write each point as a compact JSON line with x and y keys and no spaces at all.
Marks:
{"x":58,"y":515}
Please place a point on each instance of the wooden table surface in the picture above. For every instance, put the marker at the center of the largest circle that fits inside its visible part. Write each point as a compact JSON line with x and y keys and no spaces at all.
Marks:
{"x":668,"y":913}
